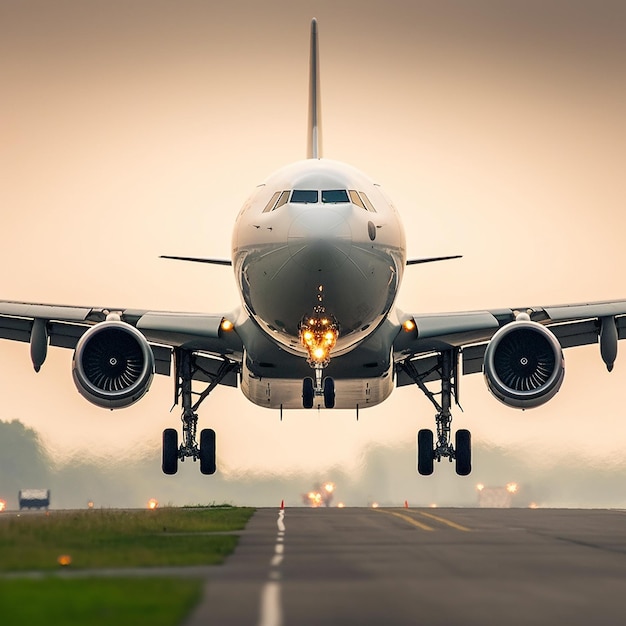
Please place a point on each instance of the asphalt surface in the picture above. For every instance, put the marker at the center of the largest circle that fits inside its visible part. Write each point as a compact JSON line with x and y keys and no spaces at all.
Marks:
{"x":422,"y":566}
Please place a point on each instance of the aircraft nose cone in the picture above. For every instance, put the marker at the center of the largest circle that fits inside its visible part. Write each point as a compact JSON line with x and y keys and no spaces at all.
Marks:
{"x":320,"y":239}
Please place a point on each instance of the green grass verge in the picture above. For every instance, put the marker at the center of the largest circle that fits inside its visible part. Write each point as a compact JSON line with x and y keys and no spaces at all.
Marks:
{"x":112,"y":538}
{"x":98,"y":602}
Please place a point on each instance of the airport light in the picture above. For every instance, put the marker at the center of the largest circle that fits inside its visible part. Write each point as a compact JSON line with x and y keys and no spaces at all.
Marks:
{"x":153,"y":504}
{"x":512,"y":487}
{"x":64,"y":560}
{"x":3,"y":505}
{"x":480,"y":487}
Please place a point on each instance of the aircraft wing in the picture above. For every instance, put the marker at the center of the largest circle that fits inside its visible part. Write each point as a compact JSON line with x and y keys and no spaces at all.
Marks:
{"x":165,"y":331}
{"x":425,"y":335}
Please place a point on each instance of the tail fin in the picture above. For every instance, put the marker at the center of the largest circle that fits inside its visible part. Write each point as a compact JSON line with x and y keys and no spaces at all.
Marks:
{"x":314,"y":144}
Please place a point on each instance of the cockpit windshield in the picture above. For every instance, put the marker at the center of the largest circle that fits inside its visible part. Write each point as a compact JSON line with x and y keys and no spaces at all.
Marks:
{"x":312,"y":196}
{"x":333,"y":196}
{"x":304,"y":196}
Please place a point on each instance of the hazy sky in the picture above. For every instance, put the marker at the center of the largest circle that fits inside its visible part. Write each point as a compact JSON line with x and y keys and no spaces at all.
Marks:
{"x":136,"y":128}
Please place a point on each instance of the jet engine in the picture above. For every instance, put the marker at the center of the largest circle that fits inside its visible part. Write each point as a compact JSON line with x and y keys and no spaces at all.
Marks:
{"x":524,"y":365}
{"x":113,"y":365}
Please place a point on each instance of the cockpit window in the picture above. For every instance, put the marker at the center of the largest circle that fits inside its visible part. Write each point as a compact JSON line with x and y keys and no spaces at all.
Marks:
{"x":284,"y":196}
{"x":368,"y":204}
{"x":356,"y":199}
{"x":304,"y":196}
{"x":333,"y":196}
{"x":271,"y":203}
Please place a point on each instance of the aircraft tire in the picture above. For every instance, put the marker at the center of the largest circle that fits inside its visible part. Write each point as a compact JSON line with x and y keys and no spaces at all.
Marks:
{"x":169,"y":463}
{"x":329,"y":393}
{"x":463,"y":452}
{"x":425,"y":452}
{"x":308,"y":393}
{"x":207,"y":451}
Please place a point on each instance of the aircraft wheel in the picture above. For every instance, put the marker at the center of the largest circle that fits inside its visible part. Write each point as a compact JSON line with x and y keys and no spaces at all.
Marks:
{"x":329,"y":393}
{"x":425,"y":452}
{"x":169,"y":463}
{"x":207,"y":451}
{"x":463,"y":452}
{"x":308,"y":393}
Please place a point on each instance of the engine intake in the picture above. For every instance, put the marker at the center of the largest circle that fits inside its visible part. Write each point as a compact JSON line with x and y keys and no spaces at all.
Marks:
{"x":113,"y":365}
{"x":524,"y":365}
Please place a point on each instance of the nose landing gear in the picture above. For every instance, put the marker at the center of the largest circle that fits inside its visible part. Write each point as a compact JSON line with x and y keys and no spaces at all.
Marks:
{"x":321,"y":387}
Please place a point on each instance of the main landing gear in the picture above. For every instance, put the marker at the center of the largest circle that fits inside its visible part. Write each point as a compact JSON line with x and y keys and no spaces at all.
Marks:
{"x":321,"y":387}
{"x":429,"y":451}
{"x":187,"y":367}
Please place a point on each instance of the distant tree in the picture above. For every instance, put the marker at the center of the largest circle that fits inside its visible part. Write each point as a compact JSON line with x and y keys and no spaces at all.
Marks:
{"x":23,"y":461}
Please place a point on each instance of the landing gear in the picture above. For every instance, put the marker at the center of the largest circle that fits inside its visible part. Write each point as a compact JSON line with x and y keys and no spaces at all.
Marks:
{"x":322,"y":387}
{"x":308,"y":393}
{"x":463,"y":455}
{"x":170,"y":451}
{"x":446,"y":369}
{"x":207,"y":451}
{"x":188,"y":367}
{"x":425,"y":452}
{"x":329,"y":393}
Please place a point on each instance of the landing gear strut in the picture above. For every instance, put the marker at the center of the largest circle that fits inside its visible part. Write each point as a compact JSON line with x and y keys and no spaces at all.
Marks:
{"x":427,"y":450}
{"x":186,"y":367}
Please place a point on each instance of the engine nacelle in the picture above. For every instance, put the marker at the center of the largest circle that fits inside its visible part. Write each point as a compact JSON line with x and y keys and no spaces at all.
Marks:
{"x":524,"y":365}
{"x":113,"y":365}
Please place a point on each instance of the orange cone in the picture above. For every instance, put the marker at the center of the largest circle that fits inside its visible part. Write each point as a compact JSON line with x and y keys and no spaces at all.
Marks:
{"x":406,"y":504}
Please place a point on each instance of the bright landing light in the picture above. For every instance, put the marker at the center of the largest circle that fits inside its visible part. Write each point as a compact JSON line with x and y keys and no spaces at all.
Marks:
{"x":318,"y":334}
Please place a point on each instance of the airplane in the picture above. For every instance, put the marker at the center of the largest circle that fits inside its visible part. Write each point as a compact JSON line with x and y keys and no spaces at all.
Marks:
{"x":318,"y":254}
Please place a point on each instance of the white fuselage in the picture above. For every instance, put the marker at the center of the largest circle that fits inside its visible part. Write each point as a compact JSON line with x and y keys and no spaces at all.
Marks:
{"x":317,"y":235}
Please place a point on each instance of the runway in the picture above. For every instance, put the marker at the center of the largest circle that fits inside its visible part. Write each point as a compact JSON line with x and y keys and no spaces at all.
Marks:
{"x":422,"y":566}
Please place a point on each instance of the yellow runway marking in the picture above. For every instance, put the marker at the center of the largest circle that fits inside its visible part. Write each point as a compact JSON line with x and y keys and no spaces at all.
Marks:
{"x":421,"y":525}
{"x":407,"y":518}
{"x":445,"y":521}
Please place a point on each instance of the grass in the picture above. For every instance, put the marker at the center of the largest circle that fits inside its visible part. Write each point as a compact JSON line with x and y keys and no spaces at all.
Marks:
{"x":111,"y":538}
{"x":98,"y":602}
{"x":107,"y":538}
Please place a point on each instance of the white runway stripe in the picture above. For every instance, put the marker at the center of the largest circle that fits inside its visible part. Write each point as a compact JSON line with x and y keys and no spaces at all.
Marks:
{"x":271,"y":613}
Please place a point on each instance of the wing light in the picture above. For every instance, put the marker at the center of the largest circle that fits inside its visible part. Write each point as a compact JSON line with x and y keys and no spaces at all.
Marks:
{"x":409,"y":326}
{"x":226,"y":325}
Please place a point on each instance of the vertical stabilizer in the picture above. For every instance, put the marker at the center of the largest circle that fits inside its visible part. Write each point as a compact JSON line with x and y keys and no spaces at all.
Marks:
{"x":314,"y":144}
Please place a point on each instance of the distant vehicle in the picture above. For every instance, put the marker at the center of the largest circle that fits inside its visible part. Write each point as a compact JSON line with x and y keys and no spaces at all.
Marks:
{"x":34,"y":498}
